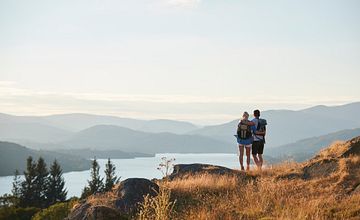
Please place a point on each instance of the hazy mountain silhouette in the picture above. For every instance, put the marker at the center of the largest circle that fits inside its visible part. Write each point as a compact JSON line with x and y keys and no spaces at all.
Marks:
{"x":132,"y":135}
{"x":18,"y":128}
{"x":305,"y":149}
{"x":103,"y":154}
{"x":13,"y":156}
{"x":104,"y":137}
{"x":78,"y":121}
{"x":286,"y":126}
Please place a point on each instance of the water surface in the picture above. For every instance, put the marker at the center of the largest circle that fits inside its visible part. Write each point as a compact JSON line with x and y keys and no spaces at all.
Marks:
{"x":145,"y":167}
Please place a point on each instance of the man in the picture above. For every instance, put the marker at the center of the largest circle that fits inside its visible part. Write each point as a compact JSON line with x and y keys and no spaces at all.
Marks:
{"x":244,"y":137}
{"x":259,"y":139}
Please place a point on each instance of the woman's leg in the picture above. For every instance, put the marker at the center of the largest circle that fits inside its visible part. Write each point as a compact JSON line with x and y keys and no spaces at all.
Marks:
{"x":241,"y":156}
{"x":248,"y":149}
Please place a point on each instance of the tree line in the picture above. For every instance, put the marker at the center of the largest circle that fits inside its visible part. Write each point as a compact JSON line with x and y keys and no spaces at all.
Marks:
{"x":96,"y":183}
{"x":42,"y":188}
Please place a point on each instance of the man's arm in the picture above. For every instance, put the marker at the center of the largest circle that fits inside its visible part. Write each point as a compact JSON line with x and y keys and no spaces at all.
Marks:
{"x":250,"y":123}
{"x":263,"y":133}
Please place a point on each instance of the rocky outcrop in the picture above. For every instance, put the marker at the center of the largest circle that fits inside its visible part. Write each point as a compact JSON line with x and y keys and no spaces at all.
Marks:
{"x":353,"y":148}
{"x":131,"y":191}
{"x":121,"y":202}
{"x":320,"y":169}
{"x":338,"y":160}
{"x":196,"y":168}
{"x":327,"y":161}
{"x":186,"y":170}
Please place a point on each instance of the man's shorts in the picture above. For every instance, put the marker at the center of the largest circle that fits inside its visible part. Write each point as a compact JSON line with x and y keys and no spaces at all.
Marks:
{"x":258,"y":147}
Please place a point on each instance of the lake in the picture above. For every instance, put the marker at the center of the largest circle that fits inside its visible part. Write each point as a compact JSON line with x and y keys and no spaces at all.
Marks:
{"x":145,"y":167}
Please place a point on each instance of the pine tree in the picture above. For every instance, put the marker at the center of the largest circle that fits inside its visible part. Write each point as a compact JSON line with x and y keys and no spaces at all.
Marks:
{"x":55,"y":185}
{"x":16,"y":189}
{"x":40,"y":183}
{"x":28,"y":186}
{"x":96,"y":184}
{"x":110,"y":178}
{"x":16,"y":184}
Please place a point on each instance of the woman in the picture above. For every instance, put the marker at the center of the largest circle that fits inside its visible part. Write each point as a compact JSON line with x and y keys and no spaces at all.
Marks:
{"x":244,"y":137}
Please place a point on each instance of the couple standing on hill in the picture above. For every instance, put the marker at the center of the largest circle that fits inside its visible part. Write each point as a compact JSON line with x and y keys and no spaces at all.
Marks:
{"x":251,"y":136}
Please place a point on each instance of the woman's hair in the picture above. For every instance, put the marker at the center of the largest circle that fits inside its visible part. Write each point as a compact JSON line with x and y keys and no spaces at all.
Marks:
{"x":245,"y":115}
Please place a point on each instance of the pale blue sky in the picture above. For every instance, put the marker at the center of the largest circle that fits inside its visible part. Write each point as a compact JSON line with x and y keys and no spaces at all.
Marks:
{"x":198,"y":60}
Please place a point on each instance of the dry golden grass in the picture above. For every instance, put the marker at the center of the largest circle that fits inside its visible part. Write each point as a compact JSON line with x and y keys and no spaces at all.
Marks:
{"x":228,"y":197}
{"x":334,"y":150}
{"x":204,"y":182}
{"x":103,"y":199}
{"x":159,"y":207}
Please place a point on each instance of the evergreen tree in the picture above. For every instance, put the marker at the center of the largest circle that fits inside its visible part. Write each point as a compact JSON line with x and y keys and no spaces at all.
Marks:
{"x":28,"y":186}
{"x":55,"y":185}
{"x":96,"y":183}
{"x":40,"y":183}
{"x":110,"y":178}
{"x":16,"y":189}
{"x":16,"y":184}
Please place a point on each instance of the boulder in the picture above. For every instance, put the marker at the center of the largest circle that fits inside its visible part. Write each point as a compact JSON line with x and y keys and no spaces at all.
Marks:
{"x":120,"y":203}
{"x":102,"y":212}
{"x":186,"y":170}
{"x":131,"y":191}
{"x":197,"y":168}
{"x":79,"y":211}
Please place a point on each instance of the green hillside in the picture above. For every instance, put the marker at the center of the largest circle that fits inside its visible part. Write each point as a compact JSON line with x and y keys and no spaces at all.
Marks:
{"x":13,"y":156}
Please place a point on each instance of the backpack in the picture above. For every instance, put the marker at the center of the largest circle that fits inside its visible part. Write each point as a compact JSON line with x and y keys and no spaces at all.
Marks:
{"x":261,"y":126}
{"x":244,"y":131}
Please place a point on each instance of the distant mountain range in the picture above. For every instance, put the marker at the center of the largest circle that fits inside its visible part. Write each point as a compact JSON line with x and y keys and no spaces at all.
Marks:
{"x":103,"y":154}
{"x":305,"y":149}
{"x":78,"y":131}
{"x":13,"y":156}
{"x":108,"y":137}
{"x":78,"y":121}
{"x":285,"y":126}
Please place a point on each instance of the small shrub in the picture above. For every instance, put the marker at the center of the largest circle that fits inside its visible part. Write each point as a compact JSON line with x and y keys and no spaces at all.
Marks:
{"x":57,"y":211}
{"x":14,"y":213}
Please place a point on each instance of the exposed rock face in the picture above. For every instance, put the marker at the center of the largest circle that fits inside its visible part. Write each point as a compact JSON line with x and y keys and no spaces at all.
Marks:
{"x":185,"y":170}
{"x":79,"y":212}
{"x":327,"y":162}
{"x":131,"y":191}
{"x":321,"y":168}
{"x":354,"y":147}
{"x":102,"y":212}
{"x":122,"y":201}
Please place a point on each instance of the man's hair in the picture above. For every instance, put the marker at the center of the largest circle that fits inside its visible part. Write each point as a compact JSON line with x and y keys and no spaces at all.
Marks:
{"x":257,"y":113}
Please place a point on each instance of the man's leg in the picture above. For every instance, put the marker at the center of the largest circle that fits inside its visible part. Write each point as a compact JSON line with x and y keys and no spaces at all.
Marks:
{"x":248,"y":149}
{"x":255,"y":147}
{"x":260,"y":153}
{"x":261,"y":160}
{"x":241,"y":156}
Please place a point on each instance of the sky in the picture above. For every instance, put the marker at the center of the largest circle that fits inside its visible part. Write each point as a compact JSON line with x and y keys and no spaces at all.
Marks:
{"x":203,"y":61}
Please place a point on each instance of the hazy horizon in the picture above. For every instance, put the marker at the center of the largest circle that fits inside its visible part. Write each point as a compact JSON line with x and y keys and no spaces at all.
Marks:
{"x":195,"y":122}
{"x":202,"y":61}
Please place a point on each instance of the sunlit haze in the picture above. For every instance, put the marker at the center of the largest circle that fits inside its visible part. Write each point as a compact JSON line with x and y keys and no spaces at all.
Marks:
{"x":203,"y":61}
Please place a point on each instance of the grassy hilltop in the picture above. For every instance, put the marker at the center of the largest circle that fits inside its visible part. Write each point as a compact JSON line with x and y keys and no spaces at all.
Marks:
{"x":325,"y":187}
